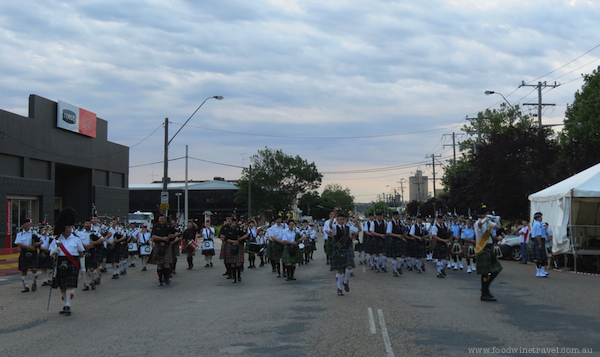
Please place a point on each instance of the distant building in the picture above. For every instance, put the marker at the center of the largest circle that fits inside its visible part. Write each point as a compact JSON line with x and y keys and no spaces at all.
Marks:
{"x":418,"y":187}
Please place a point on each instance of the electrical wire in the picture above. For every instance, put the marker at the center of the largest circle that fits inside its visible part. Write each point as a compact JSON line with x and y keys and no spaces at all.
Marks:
{"x":216,"y":163}
{"x":533,"y":80}
{"x":157,"y":162}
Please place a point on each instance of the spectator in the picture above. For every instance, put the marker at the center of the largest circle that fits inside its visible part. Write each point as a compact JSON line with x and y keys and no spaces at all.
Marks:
{"x":549,"y":233}
{"x":524,"y":238}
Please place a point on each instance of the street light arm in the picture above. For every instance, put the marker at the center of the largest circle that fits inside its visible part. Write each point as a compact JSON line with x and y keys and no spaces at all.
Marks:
{"x":217,"y":97}
{"x":490,"y":92}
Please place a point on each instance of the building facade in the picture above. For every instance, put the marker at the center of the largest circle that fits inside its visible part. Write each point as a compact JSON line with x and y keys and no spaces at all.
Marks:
{"x":55,"y":157}
{"x":419,"y":187}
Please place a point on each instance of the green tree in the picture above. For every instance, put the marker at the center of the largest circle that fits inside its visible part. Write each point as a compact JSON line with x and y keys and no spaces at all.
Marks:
{"x":379,"y":207}
{"x":278,"y":180}
{"x":335,"y":196}
{"x":580,"y":144}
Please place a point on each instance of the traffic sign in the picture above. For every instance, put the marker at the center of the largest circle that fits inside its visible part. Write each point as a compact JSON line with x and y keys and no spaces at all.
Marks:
{"x":164,"y":206}
{"x":164,"y":197}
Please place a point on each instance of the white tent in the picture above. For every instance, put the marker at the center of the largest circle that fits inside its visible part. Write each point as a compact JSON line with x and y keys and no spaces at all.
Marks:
{"x":571,"y":202}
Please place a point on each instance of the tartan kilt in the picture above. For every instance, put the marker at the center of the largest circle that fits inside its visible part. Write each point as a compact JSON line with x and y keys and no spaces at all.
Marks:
{"x":223,"y":251}
{"x":286,"y":258}
{"x":419,"y":249}
{"x":410,"y":248}
{"x":112,"y":254}
{"x":359,"y":247}
{"x":123,"y":251}
{"x":396,"y":247}
{"x":231,"y":258}
{"x":45,"y":262}
{"x":26,"y":264}
{"x":342,"y":258}
{"x":440,"y":251}
{"x":328,"y":246}
{"x":487,"y":261}
{"x":309,"y":247}
{"x":99,"y":255}
{"x":155,"y":258}
{"x":90,"y":259}
{"x":69,"y":278}
{"x":274,"y":250}
{"x":372,"y":246}
{"x":537,"y":255}
{"x":465,"y":249}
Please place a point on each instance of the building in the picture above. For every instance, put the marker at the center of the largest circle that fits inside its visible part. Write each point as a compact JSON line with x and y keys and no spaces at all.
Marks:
{"x":216,"y":196}
{"x":55,"y":157}
{"x":418,"y":187}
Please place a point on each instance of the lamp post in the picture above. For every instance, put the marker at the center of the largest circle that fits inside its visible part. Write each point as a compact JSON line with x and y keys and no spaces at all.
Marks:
{"x":178,"y":194}
{"x":565,"y":124}
{"x":490,"y":92}
{"x":165,"y":192}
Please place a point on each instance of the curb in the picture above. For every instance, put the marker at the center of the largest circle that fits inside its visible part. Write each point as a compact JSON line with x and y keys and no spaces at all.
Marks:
{"x":575,"y":272}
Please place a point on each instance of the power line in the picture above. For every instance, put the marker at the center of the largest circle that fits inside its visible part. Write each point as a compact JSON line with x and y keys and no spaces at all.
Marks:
{"x":533,"y":80}
{"x":217,"y":163}
{"x":157,"y":162}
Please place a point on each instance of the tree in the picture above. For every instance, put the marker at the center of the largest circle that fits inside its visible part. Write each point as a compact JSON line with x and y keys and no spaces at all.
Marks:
{"x":335,"y":196}
{"x":580,"y":144}
{"x":278,"y":180}
{"x":379,"y":207}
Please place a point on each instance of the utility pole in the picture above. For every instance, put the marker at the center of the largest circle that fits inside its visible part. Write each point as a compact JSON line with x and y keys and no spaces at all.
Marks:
{"x":540,"y":105}
{"x":249,"y":193}
{"x":433,"y":169}
{"x":453,"y":150}
{"x":165,"y":192}
{"x":401,"y":182}
{"x":479,"y":119}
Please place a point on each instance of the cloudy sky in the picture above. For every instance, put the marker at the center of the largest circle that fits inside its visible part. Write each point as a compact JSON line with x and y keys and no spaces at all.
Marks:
{"x":351,"y":85}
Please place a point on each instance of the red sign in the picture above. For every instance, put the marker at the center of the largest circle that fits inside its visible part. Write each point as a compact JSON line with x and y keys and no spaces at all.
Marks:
{"x":8,"y":222}
{"x":87,"y":123}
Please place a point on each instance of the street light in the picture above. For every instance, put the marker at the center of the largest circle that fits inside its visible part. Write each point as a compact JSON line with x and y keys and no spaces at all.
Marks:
{"x":166,"y":148}
{"x":490,"y":92}
{"x":565,"y":124}
{"x":178,"y":194}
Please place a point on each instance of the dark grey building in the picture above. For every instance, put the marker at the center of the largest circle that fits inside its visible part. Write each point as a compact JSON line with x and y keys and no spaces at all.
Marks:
{"x":44,"y":167}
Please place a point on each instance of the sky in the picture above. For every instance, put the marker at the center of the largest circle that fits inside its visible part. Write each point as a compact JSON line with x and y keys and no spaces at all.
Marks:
{"x":368,"y":90}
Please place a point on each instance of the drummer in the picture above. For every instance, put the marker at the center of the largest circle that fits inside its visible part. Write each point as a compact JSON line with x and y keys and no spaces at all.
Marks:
{"x":261,"y":241}
{"x":189,"y":236}
{"x":143,"y":237}
{"x":252,"y":246}
{"x":208,"y":243}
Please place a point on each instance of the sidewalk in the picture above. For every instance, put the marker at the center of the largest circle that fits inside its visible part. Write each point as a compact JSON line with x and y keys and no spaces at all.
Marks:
{"x":9,"y":261}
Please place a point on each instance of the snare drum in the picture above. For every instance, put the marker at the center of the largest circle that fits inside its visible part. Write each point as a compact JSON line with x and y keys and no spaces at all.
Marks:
{"x":192,"y":247}
{"x":254,"y":248}
{"x":145,"y":250}
{"x":132,"y":247}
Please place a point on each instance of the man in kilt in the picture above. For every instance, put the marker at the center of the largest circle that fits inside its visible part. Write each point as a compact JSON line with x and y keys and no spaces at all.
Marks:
{"x":467,"y":238}
{"x":342,"y":259}
{"x":291,"y":254}
{"x":112,"y":249}
{"x":409,"y":244}
{"x":45,"y":261}
{"x":162,"y":254}
{"x":90,"y":256}
{"x":538,"y":251}
{"x":455,"y":229}
{"x":442,"y":237}
{"x":28,"y":242}
{"x":275,"y":248}
{"x":222,"y":233}
{"x":488,"y":266}
{"x":378,"y":244}
{"x":397,"y":244}
{"x":367,"y":241}
{"x":311,"y":235}
{"x":70,"y":259}
{"x":328,"y":244}
{"x":234,"y":255}
{"x":419,"y":233}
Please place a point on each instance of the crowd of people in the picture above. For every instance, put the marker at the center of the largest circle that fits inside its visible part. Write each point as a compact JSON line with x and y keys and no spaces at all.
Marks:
{"x":65,"y":255}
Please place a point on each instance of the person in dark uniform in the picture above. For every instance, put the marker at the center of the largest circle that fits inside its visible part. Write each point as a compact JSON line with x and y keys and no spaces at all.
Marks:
{"x":162,"y":254}
{"x":397,"y":242}
{"x":189,"y":235}
{"x":442,"y":237}
{"x":378,"y":246}
{"x":28,"y":242}
{"x":419,"y":234}
{"x":342,"y":259}
{"x":45,"y":262}
{"x":234,"y":256}
{"x":70,"y":257}
{"x":488,"y":266}
{"x":222,"y":233}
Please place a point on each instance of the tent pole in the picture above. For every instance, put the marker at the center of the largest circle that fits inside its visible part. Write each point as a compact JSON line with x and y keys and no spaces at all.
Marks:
{"x":571,"y":232}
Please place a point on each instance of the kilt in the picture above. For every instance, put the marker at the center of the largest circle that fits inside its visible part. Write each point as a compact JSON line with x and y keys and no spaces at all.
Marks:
{"x":396,"y":247}
{"x":537,"y":255}
{"x":358,"y":247}
{"x":90,"y":261}
{"x":123,"y":251}
{"x":410,"y":248}
{"x":465,"y":249}
{"x":223,"y":251}
{"x":45,"y":261}
{"x":487,"y":261}
{"x":286,"y":258}
{"x":253,"y":248}
{"x":310,"y":247}
{"x":26,"y":264}
{"x":342,"y":258}
{"x":66,"y":279}
{"x":210,"y":252}
{"x":157,"y":258}
{"x":328,"y":246}
{"x":419,"y":249}
{"x":99,"y":253}
{"x":231,"y":258}
{"x":112,"y":253}
{"x":275,"y":250}
{"x":440,"y":251}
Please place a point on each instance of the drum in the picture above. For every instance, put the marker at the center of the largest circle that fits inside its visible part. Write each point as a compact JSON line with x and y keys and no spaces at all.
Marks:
{"x":192,"y":247}
{"x":145,"y":250}
{"x":132,"y":247}
{"x":208,"y":245}
{"x":254,"y":248}
{"x":456,"y":250}
{"x":262,"y":252}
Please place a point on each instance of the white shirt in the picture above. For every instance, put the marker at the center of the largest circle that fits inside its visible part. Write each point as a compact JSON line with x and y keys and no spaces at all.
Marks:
{"x":351,"y":229}
{"x":72,"y":245}
{"x":277,"y":231}
{"x":208,"y":233}
{"x":390,"y":226}
{"x":112,"y":236}
{"x":326,"y":227}
{"x":289,"y":235}
{"x":24,"y":237}
{"x":523,"y":237}
{"x":45,"y":239}
{"x":413,"y":228}
{"x":479,"y":231}
{"x":143,"y":238}
{"x":84,"y":236}
{"x":549,"y":234}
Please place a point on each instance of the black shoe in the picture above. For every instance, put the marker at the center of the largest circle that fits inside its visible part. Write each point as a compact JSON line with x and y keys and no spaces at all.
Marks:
{"x":45,"y":283}
{"x":66,"y":311}
{"x":360,"y":263}
{"x":25,"y":290}
{"x":384,"y":270}
{"x":396,"y":274}
{"x":93,"y":285}
{"x":144,"y":269}
{"x":278,"y":275}
{"x":173,"y":272}
{"x":400,"y":270}
{"x":98,"y":281}
{"x":34,"y":286}
{"x":160,"y":283}
{"x":262,"y":264}
{"x":115,"y":276}
{"x":371,"y":268}
{"x":487,"y":298}
{"x":444,"y":272}
{"x":288,"y":279}
{"x":423,"y":267}
{"x":440,"y":276}
{"x":419,"y":271}
{"x":340,"y":293}
{"x":168,"y":281}
{"x":211,"y":264}
{"x":226,"y":273}
{"x":229,"y":277}
{"x":103,"y":270}
{"x":206,"y":266}
{"x":86,"y":287}
{"x":346,"y":287}
{"x":240,"y":278}
{"x":409,"y":269}
{"x":189,"y":268}
{"x":376,"y":270}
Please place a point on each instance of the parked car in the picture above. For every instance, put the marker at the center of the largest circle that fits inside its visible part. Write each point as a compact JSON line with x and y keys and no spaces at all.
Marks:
{"x":511,"y":246}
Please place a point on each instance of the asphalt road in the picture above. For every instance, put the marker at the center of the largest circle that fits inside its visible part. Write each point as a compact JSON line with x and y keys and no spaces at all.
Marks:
{"x":203,"y":314}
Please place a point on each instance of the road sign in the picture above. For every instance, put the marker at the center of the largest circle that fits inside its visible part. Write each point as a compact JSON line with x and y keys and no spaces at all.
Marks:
{"x":164,"y":206}
{"x":164,"y":197}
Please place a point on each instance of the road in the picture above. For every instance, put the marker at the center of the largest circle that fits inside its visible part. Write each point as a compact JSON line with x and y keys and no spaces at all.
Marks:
{"x":203,"y":314}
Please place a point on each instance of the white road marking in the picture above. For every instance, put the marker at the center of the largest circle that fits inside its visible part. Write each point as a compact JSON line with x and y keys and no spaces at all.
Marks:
{"x":371,"y":321}
{"x":386,"y":337}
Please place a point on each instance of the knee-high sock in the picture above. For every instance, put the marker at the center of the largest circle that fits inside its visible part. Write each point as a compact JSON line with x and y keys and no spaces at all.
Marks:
{"x":377,"y":262}
{"x":23,"y":279}
{"x":347,"y":275}
{"x":418,"y":264}
{"x":338,"y":279}
{"x":439,"y":266}
{"x":394,"y":265}
{"x":383,"y":261}
{"x":115,"y":268}
{"x":70,"y":294}
{"x":372,"y":260}
{"x":401,"y":261}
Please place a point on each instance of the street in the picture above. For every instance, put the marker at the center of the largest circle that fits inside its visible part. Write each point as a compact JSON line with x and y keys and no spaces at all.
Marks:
{"x":203,"y":314}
